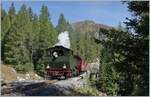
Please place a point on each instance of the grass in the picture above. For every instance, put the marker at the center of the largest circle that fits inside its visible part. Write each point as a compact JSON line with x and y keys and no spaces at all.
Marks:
{"x":89,"y":89}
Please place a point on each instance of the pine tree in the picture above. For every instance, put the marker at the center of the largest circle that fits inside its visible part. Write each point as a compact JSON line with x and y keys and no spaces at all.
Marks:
{"x":62,"y":24}
{"x":15,"y":52}
{"x":12,"y":13}
{"x":17,"y":42}
{"x":4,"y":29}
{"x":26,"y":28}
{"x":30,"y":38}
{"x":3,"y":14}
{"x":7,"y":21}
{"x":140,"y":46}
{"x":47,"y":36}
{"x":5,"y":26}
{"x":36,"y":32}
{"x":81,"y":45}
{"x":74,"y":39}
{"x":127,"y":55}
{"x":47,"y":32}
{"x":30,"y":13}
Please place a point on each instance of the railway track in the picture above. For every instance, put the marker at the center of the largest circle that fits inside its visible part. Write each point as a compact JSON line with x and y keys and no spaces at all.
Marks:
{"x":24,"y":88}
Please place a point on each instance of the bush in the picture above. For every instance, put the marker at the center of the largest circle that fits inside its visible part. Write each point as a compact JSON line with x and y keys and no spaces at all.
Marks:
{"x":23,"y":68}
{"x":89,"y":89}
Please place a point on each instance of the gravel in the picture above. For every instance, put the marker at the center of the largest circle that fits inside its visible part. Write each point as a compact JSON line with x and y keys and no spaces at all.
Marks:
{"x":43,"y":88}
{"x":21,"y":85}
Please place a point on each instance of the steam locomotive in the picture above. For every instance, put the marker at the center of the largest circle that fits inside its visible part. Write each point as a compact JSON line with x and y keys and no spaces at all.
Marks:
{"x":61,"y":62}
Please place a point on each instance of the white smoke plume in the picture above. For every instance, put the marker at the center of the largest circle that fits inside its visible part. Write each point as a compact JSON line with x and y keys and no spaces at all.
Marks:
{"x":63,"y":40}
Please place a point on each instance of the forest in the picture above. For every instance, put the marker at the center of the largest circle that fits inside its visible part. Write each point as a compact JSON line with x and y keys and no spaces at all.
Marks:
{"x":124,"y":56}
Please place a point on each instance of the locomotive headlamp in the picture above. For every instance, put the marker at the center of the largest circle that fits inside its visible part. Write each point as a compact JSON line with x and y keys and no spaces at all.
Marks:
{"x":48,"y":67}
{"x":64,"y":66}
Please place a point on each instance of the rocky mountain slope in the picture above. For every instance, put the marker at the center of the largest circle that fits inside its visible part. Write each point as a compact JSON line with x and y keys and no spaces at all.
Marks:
{"x":89,"y":26}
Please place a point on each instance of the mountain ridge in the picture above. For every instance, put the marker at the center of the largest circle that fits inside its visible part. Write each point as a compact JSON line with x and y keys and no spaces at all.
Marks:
{"x":89,"y":26}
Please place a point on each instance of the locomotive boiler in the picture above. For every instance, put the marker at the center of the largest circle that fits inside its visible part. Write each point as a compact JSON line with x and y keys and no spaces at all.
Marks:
{"x":61,"y":62}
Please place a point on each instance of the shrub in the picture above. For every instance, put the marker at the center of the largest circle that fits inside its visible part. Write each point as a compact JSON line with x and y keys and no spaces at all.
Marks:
{"x":23,"y":68}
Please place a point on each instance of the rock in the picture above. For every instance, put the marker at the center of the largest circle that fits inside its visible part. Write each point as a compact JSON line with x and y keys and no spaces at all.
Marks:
{"x":8,"y":73}
{"x":3,"y":83}
{"x":20,"y":79}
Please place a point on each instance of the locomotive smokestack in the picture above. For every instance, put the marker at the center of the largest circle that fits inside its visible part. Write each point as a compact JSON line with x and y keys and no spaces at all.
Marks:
{"x":63,"y":40}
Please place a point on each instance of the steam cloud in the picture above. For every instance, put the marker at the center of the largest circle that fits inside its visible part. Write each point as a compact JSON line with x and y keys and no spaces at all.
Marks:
{"x":63,"y":40}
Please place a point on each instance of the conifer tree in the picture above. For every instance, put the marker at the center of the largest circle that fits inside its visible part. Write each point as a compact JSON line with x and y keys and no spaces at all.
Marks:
{"x":12,"y":13}
{"x":127,"y":55}
{"x":30,"y":13}
{"x":15,"y":52}
{"x":36,"y":32}
{"x":47,"y":36}
{"x":62,"y":24}
{"x":26,"y":29}
{"x":47,"y":33}
{"x":140,"y":46}
{"x":5,"y":26}
{"x":5,"y":21}
{"x":3,"y":14}
{"x":17,"y":42}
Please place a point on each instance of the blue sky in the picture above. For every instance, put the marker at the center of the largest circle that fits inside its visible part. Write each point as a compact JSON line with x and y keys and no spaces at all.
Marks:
{"x":104,"y":12}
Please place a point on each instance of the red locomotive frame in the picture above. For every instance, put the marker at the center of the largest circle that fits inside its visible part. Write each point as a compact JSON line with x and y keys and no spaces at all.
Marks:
{"x":57,"y":72}
{"x":81,"y":66}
